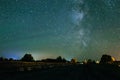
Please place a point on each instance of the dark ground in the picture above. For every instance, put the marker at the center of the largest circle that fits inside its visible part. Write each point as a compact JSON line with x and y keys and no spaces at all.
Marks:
{"x":71,"y":72}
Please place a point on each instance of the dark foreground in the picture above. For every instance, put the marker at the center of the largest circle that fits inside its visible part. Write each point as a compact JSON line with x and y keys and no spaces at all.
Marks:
{"x":71,"y":72}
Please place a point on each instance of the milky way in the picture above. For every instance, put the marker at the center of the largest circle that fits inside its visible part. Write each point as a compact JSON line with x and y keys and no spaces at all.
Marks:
{"x":79,"y":29}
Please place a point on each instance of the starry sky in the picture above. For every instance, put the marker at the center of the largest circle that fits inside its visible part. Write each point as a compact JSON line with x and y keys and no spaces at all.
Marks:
{"x":79,"y":29}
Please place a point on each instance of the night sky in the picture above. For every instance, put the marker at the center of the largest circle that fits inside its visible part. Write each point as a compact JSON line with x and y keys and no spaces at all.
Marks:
{"x":79,"y":29}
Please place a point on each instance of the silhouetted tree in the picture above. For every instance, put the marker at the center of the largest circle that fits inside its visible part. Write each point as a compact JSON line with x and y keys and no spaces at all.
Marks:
{"x":48,"y":60}
{"x":27,"y":57}
{"x":11,"y":59}
{"x":6,"y":59}
{"x":1,"y":59}
{"x":93,"y":62}
{"x":106,"y":59}
{"x":64,"y":60}
{"x":73,"y":60}
{"x":59,"y":58}
{"x":89,"y":61}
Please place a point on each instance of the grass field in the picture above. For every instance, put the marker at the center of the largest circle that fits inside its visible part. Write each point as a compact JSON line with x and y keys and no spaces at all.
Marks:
{"x":60,"y":71}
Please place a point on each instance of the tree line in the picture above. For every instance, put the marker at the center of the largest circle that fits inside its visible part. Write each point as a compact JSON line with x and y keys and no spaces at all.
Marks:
{"x":105,"y":59}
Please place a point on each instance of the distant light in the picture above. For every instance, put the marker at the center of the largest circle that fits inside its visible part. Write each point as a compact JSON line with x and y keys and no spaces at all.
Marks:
{"x":118,"y":65}
{"x":113,"y":59}
{"x":97,"y":62}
